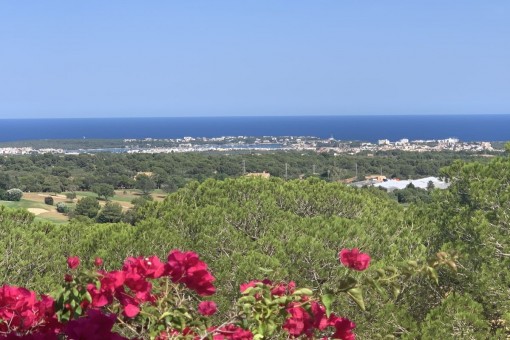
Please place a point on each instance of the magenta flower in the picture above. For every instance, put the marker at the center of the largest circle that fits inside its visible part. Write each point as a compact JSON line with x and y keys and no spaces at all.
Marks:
{"x":354,"y":259}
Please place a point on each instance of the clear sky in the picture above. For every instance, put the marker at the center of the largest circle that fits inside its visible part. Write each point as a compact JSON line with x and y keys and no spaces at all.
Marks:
{"x":115,"y":58}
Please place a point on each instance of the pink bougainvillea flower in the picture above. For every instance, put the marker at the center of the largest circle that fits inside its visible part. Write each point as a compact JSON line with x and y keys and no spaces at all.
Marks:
{"x":73,"y":262}
{"x":232,"y":332}
{"x":147,"y":267}
{"x":253,"y":283}
{"x":95,"y":325}
{"x":186,"y":333}
{"x":187,"y":268}
{"x":23,"y":311}
{"x":100,"y":297}
{"x":131,"y":310}
{"x":343,"y":328}
{"x":299,"y":321}
{"x":113,"y":280}
{"x":283,"y":288}
{"x":354,"y":259}
{"x":320,"y":321}
{"x":207,"y":308}
{"x":98,"y":262}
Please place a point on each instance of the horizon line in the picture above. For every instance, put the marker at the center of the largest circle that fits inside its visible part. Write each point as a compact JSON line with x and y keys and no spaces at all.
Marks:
{"x":261,"y":116}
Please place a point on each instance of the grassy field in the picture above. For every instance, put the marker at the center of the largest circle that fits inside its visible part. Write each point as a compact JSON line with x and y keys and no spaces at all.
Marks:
{"x":34,"y":202}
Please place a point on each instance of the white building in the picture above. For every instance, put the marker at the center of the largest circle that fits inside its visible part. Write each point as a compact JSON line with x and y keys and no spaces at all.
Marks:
{"x":421,"y":183}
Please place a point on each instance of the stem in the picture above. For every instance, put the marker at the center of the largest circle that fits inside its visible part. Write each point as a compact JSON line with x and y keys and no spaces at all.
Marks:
{"x":128,"y":326}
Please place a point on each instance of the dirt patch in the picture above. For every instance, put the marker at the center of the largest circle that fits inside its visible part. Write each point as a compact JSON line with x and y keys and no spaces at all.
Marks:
{"x":37,"y":211}
{"x":39,"y":197}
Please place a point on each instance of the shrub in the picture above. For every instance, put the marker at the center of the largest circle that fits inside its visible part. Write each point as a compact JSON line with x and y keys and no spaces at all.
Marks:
{"x":87,"y":206}
{"x":62,"y":208}
{"x":111,"y":213}
{"x":171,"y":299}
{"x":71,"y":195}
{"x":48,"y":200}
{"x":141,"y":200}
{"x":13,"y":194}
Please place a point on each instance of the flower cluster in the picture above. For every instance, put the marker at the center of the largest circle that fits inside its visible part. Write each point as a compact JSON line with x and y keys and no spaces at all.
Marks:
{"x":95,"y":325}
{"x":153,"y":297}
{"x":301,"y":322}
{"x":232,"y":332}
{"x":303,"y":316}
{"x":278,"y":289}
{"x":21,"y":311}
{"x":354,"y":259}
{"x":131,"y":286}
{"x":189,"y":270}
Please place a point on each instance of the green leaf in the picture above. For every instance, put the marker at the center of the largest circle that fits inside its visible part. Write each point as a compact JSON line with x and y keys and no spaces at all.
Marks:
{"x":392,"y":270}
{"x":327,"y":301}
{"x":412,"y":264}
{"x":357,"y":295}
{"x":432,"y":273}
{"x":248,"y":290}
{"x":75,"y":292}
{"x":262,"y":329}
{"x":266,"y":270}
{"x":247,"y":308}
{"x":303,"y":291}
{"x":271,"y":327}
{"x":347,"y":283}
{"x":88,"y":297}
{"x":396,"y":291}
{"x":164,"y":315}
{"x":247,"y":299}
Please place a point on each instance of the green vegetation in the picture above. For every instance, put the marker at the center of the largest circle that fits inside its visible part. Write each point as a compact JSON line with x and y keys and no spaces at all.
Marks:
{"x":87,"y":206}
{"x":247,"y":228}
{"x":105,"y":190}
{"x":70,"y":173}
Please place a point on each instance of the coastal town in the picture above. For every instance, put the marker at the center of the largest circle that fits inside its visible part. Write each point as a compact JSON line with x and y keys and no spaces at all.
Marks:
{"x":265,"y":143}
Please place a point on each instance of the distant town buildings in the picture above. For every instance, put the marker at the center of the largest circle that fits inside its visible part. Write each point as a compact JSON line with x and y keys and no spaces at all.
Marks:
{"x":269,"y":143}
{"x":397,"y":184}
{"x":421,"y":183}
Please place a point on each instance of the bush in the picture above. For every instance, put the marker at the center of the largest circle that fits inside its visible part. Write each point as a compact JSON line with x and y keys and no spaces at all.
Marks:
{"x":13,"y":194}
{"x":62,"y":208}
{"x":87,"y":206}
{"x":150,"y":298}
{"x":141,"y":200}
{"x":111,"y":213}
{"x":71,"y":195}
{"x":48,"y":200}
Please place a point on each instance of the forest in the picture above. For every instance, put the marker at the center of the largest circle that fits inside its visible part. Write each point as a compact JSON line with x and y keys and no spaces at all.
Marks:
{"x":55,"y":173}
{"x":438,"y":269}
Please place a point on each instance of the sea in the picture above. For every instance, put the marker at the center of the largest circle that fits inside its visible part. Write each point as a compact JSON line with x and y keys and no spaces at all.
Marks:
{"x":486,"y":127}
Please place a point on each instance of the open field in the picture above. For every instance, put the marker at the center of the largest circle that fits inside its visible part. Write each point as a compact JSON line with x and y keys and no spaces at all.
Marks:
{"x":34,"y":202}
{"x":38,"y":208}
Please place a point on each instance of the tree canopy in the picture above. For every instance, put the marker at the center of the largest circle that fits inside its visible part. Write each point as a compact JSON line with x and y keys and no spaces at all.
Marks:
{"x":254,"y":227}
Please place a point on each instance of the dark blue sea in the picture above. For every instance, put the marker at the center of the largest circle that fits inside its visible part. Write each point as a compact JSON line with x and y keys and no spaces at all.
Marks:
{"x":364,"y":128}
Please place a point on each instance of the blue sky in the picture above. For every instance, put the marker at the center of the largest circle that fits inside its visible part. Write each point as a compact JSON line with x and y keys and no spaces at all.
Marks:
{"x":202,"y":58}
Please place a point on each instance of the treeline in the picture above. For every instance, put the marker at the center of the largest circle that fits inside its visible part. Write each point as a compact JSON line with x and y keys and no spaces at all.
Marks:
{"x":249,"y":228}
{"x":55,"y":173}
